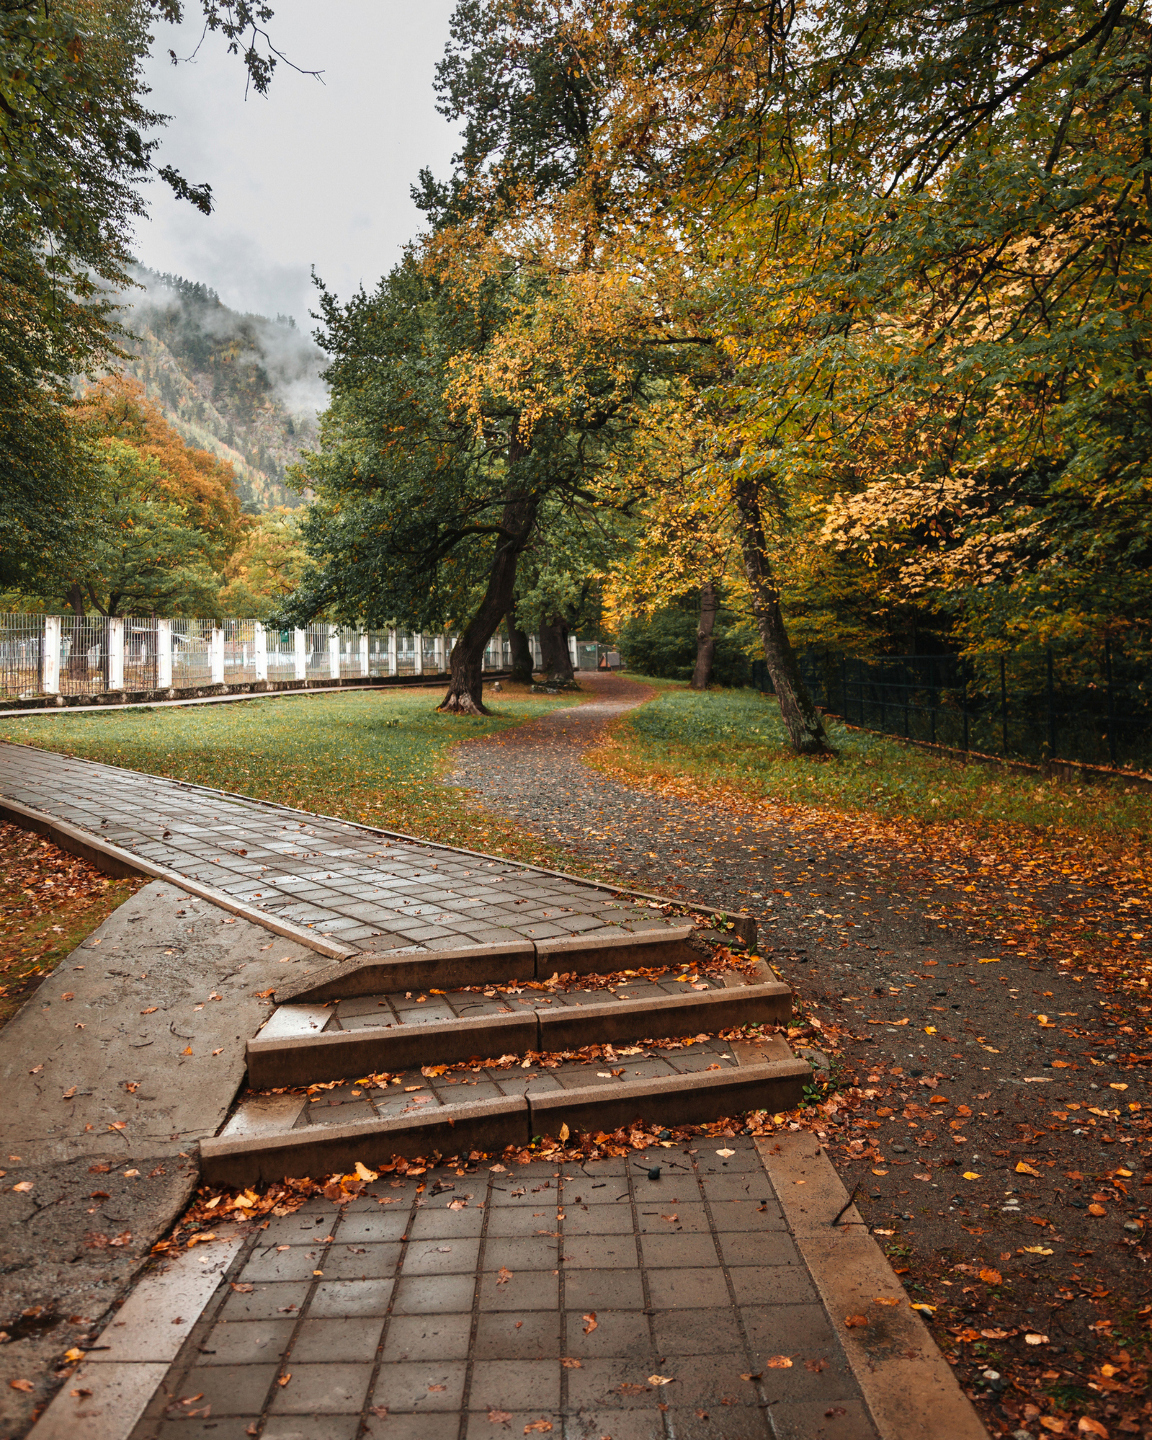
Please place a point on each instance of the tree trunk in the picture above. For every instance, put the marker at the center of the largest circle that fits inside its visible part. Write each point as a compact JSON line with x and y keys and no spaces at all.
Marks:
{"x":556,"y":661}
{"x":705,"y":636}
{"x":521,"y":650}
{"x":801,"y":719}
{"x":466,"y":685}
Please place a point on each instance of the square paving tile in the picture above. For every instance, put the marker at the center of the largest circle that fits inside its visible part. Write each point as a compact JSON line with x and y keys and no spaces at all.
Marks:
{"x":441,"y":1257}
{"x":618,"y":1334}
{"x":732,"y":1422}
{"x":678,"y":1250}
{"x":294,"y":1263}
{"x":360,"y":1262}
{"x":698,"y":1332}
{"x":266,"y":1302}
{"x":230,"y":1389}
{"x":351,"y":1298}
{"x":507,"y":1222}
{"x":517,"y":1335}
{"x":337,"y":1389}
{"x":603,"y":1290}
{"x":524,"y":1290}
{"x":311,"y":1427}
{"x":516,"y":1384}
{"x":441,"y":1223}
{"x":594,"y":1252}
{"x":420,"y":1385}
{"x":435,"y":1294}
{"x":521,"y":1252}
{"x":322,"y":1339}
{"x":687,"y":1289}
{"x":246,"y":1342}
{"x":802,"y":1419}
{"x":427,"y":1337}
{"x":613,"y":1384}
{"x":767,"y":1248}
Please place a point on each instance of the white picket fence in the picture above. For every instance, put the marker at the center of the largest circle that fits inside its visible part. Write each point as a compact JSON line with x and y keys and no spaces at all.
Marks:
{"x":92,"y":655}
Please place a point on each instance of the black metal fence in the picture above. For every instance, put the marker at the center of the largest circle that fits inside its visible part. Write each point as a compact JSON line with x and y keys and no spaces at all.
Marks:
{"x":1090,"y":706}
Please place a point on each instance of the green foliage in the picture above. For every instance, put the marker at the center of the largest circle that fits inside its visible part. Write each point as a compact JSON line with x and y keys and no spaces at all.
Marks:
{"x":665,"y":645}
{"x":144,"y":554}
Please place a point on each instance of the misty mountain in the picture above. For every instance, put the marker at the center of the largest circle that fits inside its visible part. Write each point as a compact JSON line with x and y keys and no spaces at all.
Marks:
{"x":244,"y":387}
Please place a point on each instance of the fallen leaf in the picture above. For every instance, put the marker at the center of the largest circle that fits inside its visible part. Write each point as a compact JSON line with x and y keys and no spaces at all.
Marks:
{"x":661,"y":1379}
{"x":1022,"y":1169}
{"x":991,"y":1277}
{"x":1088,"y":1426}
{"x":23,"y":1187}
{"x":437,"y":1387}
{"x":73,"y":1355}
{"x":242,"y":1287}
{"x":971,"y":1175}
{"x":1036,"y":1250}
{"x":80,"y":1394}
{"x":925,"y":1309}
{"x":570,"y":1364}
{"x":283,"y":1380}
{"x":541,"y":1427}
{"x":187,"y":1050}
{"x":503,"y":1275}
{"x":778,"y":1362}
{"x":1057,"y":1427}
{"x":1092,"y":1209}
{"x":724,"y":1154}
{"x":816,"y":1366}
{"x":1035,"y":1339}
{"x":590,"y":1322}
{"x":151,"y":1010}
{"x":498,"y":1417}
{"x":885,"y":1300}
{"x":364,"y":1173}
{"x":25,"y":1385}
{"x":68,"y":1094}
{"x":855,"y":1321}
{"x":564,"y":1132}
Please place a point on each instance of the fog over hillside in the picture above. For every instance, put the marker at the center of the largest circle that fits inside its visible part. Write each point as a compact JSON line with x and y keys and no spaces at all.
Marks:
{"x":245,"y":387}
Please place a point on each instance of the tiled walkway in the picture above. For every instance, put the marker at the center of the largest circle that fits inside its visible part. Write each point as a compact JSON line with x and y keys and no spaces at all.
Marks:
{"x":657,"y":1295}
{"x":343,"y":880}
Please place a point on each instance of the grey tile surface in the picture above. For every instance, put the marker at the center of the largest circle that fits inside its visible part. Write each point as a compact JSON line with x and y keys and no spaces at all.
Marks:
{"x":342,"y":879}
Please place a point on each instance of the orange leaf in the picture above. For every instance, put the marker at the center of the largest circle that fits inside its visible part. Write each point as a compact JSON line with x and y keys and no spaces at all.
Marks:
{"x":855,"y":1321}
{"x":1022,"y":1169}
{"x":991,"y":1277}
{"x":25,"y":1385}
{"x":1097,"y":1210}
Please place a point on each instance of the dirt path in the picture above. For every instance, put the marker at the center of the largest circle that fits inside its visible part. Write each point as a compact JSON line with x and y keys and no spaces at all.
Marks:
{"x":997,"y":1129}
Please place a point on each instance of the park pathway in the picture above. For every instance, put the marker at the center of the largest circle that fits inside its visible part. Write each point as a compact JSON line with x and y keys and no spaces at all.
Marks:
{"x":358,"y":886}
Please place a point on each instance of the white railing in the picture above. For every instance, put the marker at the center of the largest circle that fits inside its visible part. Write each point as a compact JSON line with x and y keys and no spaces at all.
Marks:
{"x":92,"y":655}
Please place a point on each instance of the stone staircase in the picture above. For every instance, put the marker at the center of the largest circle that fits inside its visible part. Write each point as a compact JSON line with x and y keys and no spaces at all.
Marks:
{"x":479,"y":1048}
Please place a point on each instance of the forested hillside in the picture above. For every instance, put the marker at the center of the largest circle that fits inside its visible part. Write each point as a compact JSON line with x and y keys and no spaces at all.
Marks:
{"x":244,"y":387}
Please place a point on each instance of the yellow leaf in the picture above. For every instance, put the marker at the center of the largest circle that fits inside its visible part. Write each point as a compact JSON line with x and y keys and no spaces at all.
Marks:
{"x":1036,"y":1250}
{"x":564,"y":1132}
{"x":1022,"y":1169}
{"x":73,"y":1355}
{"x":971,"y":1175}
{"x":927,"y":1309}
{"x":930,"y":1030}
{"x":364,"y":1173}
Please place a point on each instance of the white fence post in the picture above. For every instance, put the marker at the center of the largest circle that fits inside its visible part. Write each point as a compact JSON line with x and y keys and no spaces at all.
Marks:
{"x":164,"y":654}
{"x":216,"y":654}
{"x":391,"y":652}
{"x":50,"y":656}
{"x":116,"y":654}
{"x":260,"y":649}
{"x":438,"y":651}
{"x":364,"y":653}
{"x":418,"y":641}
{"x":334,"y":651}
{"x":300,"y":639}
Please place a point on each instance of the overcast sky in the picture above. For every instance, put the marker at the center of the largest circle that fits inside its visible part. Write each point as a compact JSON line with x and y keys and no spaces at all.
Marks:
{"x":316,"y":174}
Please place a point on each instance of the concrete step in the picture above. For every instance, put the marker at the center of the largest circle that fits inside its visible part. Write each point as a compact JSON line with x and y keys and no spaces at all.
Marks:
{"x":248,"y":1158}
{"x":282,"y":1060}
{"x":599,"y":954}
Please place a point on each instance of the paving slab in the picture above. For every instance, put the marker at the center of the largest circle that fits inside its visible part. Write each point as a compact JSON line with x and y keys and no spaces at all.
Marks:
{"x":366,"y":889}
{"x":491,"y":1311}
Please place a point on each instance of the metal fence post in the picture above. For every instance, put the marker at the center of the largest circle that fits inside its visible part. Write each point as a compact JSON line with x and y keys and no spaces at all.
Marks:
{"x":260,"y":650}
{"x":50,"y":656}
{"x":300,"y":653}
{"x":334,"y":652}
{"x":964,"y":697}
{"x":115,"y":654}
{"x":1003,"y":707}
{"x":164,"y":654}
{"x":1051,"y":711}
{"x":1111,"y":702}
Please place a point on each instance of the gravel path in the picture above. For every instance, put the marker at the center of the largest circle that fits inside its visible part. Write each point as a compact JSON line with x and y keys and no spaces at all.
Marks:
{"x":1031,"y":1065}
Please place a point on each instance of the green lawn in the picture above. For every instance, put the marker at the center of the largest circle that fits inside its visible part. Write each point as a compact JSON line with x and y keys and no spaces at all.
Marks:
{"x":375,"y":757}
{"x":737,"y":736}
